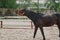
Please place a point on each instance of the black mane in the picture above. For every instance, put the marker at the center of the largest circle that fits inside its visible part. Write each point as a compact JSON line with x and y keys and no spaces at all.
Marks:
{"x":34,"y":16}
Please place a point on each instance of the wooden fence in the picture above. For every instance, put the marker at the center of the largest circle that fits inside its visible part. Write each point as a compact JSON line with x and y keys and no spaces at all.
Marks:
{"x":15,"y":22}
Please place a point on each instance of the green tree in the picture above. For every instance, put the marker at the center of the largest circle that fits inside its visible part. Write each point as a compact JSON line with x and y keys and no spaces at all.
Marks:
{"x":27,"y":3}
{"x":24,"y":3}
{"x":1,"y":3}
{"x":8,"y":4}
{"x":53,"y":4}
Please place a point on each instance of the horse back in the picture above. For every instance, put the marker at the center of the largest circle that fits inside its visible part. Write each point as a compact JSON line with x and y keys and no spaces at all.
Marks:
{"x":49,"y":20}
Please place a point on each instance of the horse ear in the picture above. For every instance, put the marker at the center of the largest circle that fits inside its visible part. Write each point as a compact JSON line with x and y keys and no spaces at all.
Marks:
{"x":28,"y":8}
{"x":23,"y":9}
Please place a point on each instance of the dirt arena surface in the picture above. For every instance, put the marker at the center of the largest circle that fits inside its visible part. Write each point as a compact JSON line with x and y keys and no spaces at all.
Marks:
{"x":51,"y":33}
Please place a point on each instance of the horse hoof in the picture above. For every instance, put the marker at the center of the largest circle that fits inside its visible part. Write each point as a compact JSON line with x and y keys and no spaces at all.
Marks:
{"x":43,"y":38}
{"x":33,"y":37}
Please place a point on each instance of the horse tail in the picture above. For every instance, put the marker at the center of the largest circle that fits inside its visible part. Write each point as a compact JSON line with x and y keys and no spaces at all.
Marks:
{"x":57,"y":15}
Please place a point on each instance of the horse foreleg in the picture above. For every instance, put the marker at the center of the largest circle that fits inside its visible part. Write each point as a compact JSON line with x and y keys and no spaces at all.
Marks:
{"x":41,"y":28}
{"x":59,"y":32}
{"x":59,"y":29}
{"x":35,"y":31}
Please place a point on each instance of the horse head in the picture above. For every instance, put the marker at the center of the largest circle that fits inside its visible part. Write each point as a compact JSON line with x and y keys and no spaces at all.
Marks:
{"x":21,"y":12}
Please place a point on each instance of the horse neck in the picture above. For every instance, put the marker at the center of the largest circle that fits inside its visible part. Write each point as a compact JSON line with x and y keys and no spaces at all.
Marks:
{"x":33,"y":16}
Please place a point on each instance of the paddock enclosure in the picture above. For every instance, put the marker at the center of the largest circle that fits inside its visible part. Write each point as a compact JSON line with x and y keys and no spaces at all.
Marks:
{"x":16,"y":29}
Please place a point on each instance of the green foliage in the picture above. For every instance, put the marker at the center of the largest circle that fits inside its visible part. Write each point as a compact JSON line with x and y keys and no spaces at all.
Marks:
{"x":1,"y":3}
{"x":8,"y":4}
{"x":28,"y":3}
{"x":53,"y":5}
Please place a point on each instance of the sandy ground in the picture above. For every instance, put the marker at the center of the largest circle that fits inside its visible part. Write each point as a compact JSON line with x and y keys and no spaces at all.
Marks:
{"x":51,"y":33}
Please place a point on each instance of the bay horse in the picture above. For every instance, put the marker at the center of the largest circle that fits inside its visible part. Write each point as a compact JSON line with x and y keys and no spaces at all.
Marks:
{"x":41,"y":20}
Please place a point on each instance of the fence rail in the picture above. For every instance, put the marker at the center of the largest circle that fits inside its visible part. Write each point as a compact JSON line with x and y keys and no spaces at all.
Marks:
{"x":12,"y":22}
{"x":14,"y":17}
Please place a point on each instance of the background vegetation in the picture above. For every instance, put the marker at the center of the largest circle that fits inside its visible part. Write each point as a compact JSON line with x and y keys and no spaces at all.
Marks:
{"x":11,"y":5}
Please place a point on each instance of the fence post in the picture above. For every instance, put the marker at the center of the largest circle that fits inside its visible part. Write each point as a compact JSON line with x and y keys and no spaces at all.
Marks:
{"x":1,"y":24}
{"x":31,"y":25}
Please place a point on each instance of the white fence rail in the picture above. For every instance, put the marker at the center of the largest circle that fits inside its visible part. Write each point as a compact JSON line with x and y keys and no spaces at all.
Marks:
{"x":21,"y":22}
